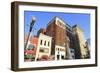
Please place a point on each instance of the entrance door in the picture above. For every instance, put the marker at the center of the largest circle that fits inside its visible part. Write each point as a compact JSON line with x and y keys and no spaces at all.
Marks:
{"x":62,"y":57}
{"x":58,"y":57}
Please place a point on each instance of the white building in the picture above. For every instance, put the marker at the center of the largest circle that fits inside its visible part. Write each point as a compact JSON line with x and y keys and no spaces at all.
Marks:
{"x":44,"y":46}
{"x":59,"y":52}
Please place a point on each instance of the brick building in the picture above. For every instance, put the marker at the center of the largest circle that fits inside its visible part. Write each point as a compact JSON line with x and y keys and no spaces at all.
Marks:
{"x":56,"y":29}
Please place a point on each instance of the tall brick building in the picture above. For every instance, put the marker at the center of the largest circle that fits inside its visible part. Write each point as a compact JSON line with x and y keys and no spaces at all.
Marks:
{"x":56,"y":29}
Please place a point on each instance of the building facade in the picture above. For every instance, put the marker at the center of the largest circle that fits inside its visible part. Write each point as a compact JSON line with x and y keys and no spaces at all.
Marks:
{"x":30,"y":51}
{"x":44,"y":47}
{"x":56,"y":29}
{"x":81,"y":48}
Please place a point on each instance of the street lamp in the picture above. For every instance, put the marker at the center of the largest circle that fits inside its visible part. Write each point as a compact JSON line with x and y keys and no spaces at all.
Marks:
{"x":30,"y":30}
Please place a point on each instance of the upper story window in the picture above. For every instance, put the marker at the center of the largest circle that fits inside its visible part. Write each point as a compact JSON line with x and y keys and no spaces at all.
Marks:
{"x":48,"y":43}
{"x":41,"y":42}
{"x":44,"y":43}
{"x":44,"y":50}
{"x":58,"y":49}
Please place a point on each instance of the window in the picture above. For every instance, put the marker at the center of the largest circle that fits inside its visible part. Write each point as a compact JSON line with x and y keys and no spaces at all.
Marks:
{"x":58,"y":49}
{"x":41,"y":42}
{"x":48,"y":43}
{"x":44,"y":50}
{"x":41,"y":50}
{"x":45,"y":43}
{"x":62,"y":49}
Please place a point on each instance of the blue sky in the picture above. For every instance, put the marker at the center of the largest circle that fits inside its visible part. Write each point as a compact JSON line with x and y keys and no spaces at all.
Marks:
{"x":43,"y":18}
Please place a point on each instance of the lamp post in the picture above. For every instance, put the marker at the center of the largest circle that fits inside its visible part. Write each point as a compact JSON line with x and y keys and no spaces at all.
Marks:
{"x":30,"y":30}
